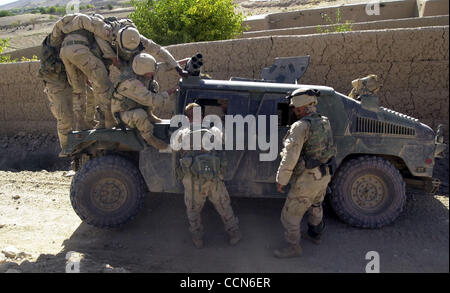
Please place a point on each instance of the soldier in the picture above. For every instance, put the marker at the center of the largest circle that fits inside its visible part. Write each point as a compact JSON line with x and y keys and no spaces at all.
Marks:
{"x":201,"y":174}
{"x":81,"y":63}
{"x":126,"y":40}
{"x":364,"y":86}
{"x":58,"y":90}
{"x":130,"y":96}
{"x":308,"y":149}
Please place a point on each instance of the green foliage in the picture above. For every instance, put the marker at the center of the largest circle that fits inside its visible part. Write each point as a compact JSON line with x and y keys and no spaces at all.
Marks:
{"x":58,"y":10}
{"x":183,"y":21}
{"x":85,"y":7}
{"x":5,"y":13}
{"x":109,"y":6}
{"x":336,"y":25}
{"x":4,"y":44}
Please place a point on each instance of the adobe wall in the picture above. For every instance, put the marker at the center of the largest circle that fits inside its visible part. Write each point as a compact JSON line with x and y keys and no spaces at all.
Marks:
{"x":432,"y":7}
{"x":412,"y":64}
{"x":27,"y":53}
{"x":360,"y":12}
{"x":370,"y":25}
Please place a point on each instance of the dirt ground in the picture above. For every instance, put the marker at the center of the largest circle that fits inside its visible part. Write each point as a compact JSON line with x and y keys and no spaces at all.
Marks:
{"x":36,"y":217}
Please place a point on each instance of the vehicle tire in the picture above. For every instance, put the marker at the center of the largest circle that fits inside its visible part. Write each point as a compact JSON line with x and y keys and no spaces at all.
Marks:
{"x":107,"y":191}
{"x":368,"y":192}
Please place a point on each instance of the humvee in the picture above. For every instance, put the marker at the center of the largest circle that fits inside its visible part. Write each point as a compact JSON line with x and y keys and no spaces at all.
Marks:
{"x":379,"y":151}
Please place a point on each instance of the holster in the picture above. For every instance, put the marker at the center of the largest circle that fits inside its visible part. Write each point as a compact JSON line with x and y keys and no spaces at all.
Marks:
{"x":312,"y":163}
{"x":332,"y":166}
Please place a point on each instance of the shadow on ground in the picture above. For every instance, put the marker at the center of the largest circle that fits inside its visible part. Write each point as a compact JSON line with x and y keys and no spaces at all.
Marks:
{"x":158,"y":241}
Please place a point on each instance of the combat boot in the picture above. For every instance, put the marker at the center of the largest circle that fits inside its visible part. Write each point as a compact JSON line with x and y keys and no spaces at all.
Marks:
{"x":314,"y":233}
{"x":235,"y":237}
{"x":99,"y":117}
{"x":292,"y":250}
{"x":155,"y":142}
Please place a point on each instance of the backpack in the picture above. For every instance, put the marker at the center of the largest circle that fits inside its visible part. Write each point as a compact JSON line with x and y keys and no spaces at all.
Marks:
{"x":51,"y":68}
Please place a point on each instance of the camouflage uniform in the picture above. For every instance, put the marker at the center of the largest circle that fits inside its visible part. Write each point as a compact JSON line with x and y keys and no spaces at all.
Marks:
{"x":126,"y":47}
{"x":197,"y":189}
{"x":81,"y":63}
{"x":308,"y":145}
{"x":129,"y":99}
{"x":57,"y":89}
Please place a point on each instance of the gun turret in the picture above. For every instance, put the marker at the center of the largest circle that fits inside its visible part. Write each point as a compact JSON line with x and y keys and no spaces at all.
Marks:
{"x":194,"y":65}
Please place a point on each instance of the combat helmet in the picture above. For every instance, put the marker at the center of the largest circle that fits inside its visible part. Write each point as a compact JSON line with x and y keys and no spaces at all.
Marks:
{"x":144,"y":63}
{"x":129,"y":38}
{"x":303,"y":97}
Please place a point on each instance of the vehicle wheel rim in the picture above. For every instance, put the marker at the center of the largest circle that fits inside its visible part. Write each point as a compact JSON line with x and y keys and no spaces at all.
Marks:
{"x":109,"y":194}
{"x":369,"y":192}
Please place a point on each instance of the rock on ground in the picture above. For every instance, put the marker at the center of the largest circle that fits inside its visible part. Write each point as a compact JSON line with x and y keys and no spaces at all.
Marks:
{"x":10,"y":251}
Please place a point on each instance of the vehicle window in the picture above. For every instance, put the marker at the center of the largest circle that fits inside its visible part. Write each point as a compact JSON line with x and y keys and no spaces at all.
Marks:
{"x":220,"y":103}
{"x":286,"y":115}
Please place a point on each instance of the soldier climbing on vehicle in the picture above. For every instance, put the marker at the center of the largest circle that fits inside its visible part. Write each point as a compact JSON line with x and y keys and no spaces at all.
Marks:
{"x":130,"y":98}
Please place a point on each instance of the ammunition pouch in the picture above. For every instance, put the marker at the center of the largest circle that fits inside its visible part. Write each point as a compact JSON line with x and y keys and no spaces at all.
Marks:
{"x":203,"y":166}
{"x":206,"y":167}
{"x":125,"y":103}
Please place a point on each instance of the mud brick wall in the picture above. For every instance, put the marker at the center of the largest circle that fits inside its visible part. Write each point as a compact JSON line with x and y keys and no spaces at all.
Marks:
{"x":391,"y":9}
{"x":359,"y":26}
{"x":412,"y":64}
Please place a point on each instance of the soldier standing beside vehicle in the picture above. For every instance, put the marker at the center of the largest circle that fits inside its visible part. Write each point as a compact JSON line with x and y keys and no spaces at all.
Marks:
{"x":201,"y":173}
{"x":131,"y":96}
{"x":308,"y":150}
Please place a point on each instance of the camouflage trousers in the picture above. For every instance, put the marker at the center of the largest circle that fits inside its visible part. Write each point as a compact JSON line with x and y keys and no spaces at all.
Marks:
{"x":306,"y":195}
{"x":60,"y":102}
{"x":195,"y":194}
{"x":80,"y":64}
{"x":138,"y":118}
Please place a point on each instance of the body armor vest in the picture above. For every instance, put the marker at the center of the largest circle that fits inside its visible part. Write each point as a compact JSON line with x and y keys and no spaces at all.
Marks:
{"x":319,"y":148}
{"x":51,"y":67}
{"x":126,"y":104}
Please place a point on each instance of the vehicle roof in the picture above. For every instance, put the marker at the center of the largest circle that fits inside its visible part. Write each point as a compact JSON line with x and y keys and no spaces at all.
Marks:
{"x":269,"y":87}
